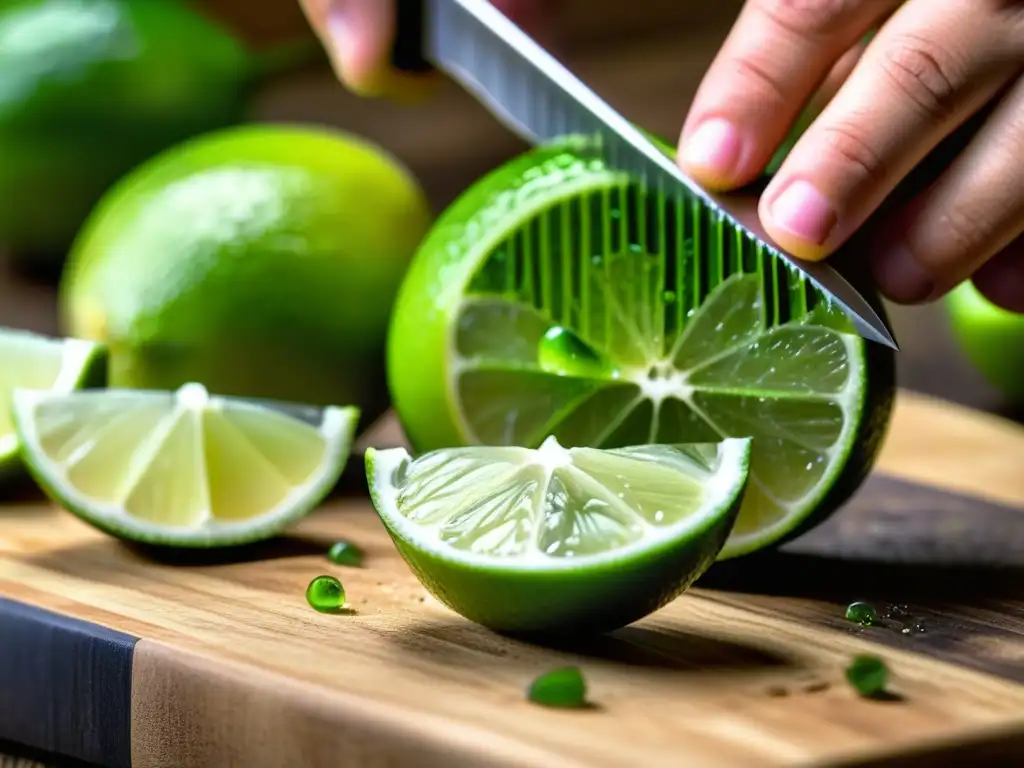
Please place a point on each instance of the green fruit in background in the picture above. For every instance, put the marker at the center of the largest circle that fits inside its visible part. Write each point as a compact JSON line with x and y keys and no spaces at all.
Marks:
{"x":991,"y":337}
{"x":260,"y":261}
{"x":89,"y":89}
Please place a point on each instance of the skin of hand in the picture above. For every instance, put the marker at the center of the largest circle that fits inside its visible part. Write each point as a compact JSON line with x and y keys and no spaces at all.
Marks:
{"x":884,"y":107}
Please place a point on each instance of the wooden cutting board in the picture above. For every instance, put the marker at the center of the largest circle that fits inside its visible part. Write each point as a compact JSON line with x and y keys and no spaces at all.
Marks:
{"x":112,"y":656}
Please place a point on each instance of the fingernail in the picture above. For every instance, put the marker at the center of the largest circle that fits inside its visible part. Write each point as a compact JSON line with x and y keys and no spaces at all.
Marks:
{"x":339,"y":30}
{"x":715,"y":147}
{"x":804,"y":212}
{"x":900,"y":276}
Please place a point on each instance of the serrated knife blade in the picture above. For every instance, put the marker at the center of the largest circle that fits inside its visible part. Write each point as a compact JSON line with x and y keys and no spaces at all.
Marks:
{"x":539,"y":99}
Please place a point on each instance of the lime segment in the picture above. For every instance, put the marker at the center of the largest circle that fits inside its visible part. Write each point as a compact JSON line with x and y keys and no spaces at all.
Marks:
{"x":182,"y":468}
{"x":555,"y":539}
{"x":41,"y":362}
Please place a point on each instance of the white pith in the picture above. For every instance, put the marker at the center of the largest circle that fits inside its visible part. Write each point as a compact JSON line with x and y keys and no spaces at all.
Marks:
{"x":76,"y":355}
{"x":722,"y":488}
{"x":336,"y":428}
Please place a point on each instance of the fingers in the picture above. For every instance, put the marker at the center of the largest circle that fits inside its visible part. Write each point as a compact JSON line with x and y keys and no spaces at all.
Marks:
{"x":928,"y":69}
{"x":1001,"y":279}
{"x":970,"y":213}
{"x":777,"y":54}
{"x":358,"y":36}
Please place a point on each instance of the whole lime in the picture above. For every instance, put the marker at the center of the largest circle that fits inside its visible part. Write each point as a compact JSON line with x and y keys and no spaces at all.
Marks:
{"x":260,"y":261}
{"x":91,"y":88}
{"x":991,"y":337}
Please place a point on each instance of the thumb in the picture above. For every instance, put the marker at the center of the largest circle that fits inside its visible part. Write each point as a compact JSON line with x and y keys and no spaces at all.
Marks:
{"x":357,"y":35}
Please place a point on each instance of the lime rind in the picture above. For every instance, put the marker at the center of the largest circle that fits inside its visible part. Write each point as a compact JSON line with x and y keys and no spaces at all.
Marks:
{"x":81,"y":364}
{"x":595,"y":592}
{"x":336,"y":425}
{"x":722,"y":486}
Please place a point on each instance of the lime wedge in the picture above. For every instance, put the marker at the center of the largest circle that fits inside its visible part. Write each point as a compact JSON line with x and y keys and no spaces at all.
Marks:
{"x":554,"y":540}
{"x":182,"y":468}
{"x":41,"y":362}
{"x":556,"y":297}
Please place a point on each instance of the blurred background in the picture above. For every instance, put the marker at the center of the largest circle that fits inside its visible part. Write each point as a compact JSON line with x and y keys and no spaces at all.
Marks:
{"x":645,"y":57}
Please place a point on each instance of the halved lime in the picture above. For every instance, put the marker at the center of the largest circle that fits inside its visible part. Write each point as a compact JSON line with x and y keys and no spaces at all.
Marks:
{"x":554,"y":540}
{"x":558,"y":297}
{"x":32,"y":360}
{"x":182,"y":468}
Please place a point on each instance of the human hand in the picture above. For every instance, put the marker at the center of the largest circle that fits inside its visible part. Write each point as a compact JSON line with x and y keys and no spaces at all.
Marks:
{"x":932,"y":65}
{"x":358,"y":36}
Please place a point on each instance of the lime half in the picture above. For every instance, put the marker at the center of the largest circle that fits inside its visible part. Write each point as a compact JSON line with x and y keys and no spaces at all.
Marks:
{"x":182,"y":468}
{"x":556,"y":540}
{"x":41,"y":362}
{"x":556,"y":297}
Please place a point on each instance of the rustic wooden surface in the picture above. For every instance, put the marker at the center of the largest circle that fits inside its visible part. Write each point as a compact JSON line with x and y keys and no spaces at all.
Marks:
{"x":745,"y":670}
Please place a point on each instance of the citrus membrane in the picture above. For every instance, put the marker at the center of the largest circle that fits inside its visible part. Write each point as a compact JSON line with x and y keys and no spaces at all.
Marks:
{"x":32,"y":360}
{"x":552,"y":539}
{"x":558,"y":297}
{"x":182,"y":468}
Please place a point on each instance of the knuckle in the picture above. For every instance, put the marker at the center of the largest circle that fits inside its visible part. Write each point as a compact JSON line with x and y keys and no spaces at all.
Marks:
{"x":760,"y":79}
{"x":851,"y":151}
{"x":812,"y":18}
{"x":925,"y":73}
{"x":962,"y":234}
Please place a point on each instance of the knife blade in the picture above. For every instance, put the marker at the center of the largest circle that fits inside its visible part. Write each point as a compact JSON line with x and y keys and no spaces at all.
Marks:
{"x":539,"y":99}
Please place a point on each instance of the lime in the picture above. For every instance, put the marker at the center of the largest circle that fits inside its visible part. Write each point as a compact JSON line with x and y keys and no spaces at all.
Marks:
{"x":32,"y":360}
{"x":90,"y":88}
{"x":559,"y":297}
{"x":182,"y":468}
{"x":259,"y":261}
{"x":554,"y":540}
{"x":991,"y":337}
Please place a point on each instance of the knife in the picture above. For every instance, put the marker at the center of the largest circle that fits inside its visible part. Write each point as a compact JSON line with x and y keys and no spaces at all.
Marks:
{"x":535,"y":96}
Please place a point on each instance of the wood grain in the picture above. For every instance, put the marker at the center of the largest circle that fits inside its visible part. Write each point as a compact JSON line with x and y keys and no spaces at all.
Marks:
{"x":233,"y":666}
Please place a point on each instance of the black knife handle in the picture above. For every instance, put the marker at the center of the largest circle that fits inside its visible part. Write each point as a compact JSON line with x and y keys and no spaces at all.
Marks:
{"x":407,"y":51}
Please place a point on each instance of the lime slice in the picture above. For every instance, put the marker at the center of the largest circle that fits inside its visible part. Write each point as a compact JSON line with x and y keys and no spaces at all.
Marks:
{"x":556,"y":540}
{"x":41,"y":362}
{"x":182,"y":468}
{"x":558,"y":297}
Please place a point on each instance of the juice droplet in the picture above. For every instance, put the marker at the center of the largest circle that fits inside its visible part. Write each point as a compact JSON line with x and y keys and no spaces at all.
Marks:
{"x":563,"y":687}
{"x":862,"y":613}
{"x":564,"y":353}
{"x":345,"y":553}
{"x":868,"y":675}
{"x":325,"y":594}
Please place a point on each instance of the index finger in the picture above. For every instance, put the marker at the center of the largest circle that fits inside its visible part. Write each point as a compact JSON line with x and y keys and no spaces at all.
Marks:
{"x":776,"y":56}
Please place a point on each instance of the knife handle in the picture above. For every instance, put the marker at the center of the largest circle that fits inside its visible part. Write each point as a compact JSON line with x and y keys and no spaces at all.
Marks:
{"x":407,"y":51}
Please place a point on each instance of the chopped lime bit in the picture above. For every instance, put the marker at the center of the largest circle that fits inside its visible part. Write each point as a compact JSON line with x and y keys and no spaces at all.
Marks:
{"x":862,"y":613}
{"x":325,"y":594}
{"x":345,"y":553}
{"x":563,"y":687}
{"x":868,"y":675}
